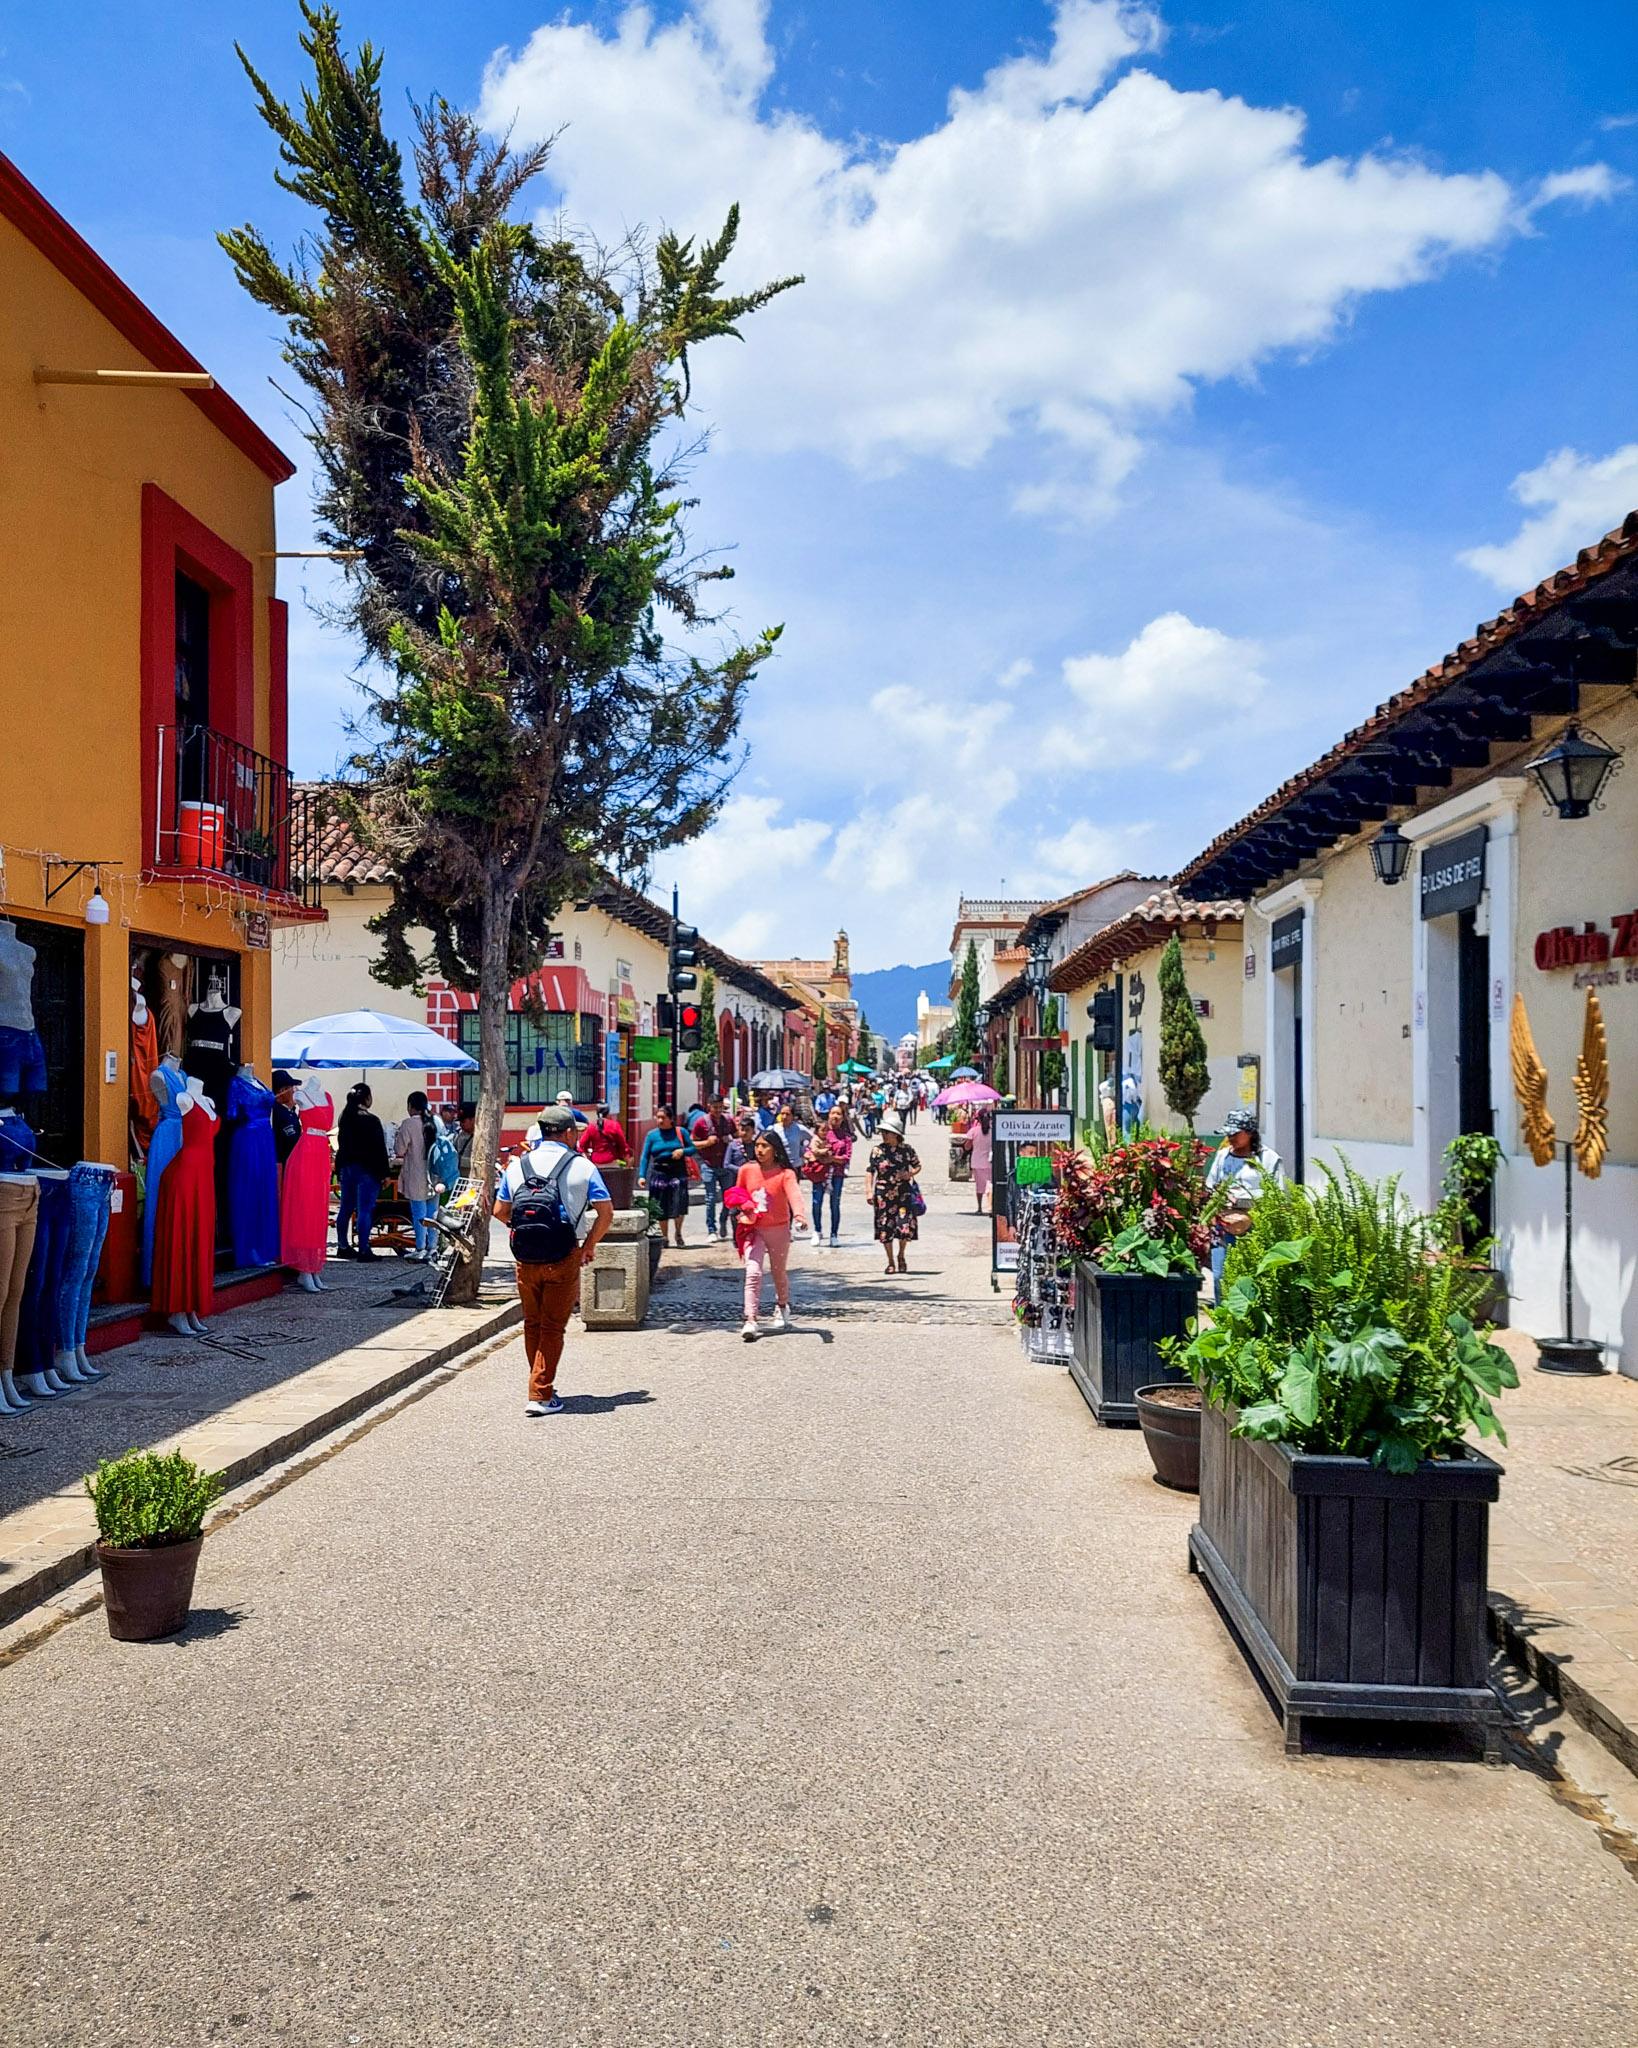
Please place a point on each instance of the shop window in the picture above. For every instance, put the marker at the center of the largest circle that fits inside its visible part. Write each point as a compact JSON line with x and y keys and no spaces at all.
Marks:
{"x":544,"y":1055}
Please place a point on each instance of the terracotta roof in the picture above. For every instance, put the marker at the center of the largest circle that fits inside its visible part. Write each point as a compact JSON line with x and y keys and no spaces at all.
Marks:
{"x":1051,"y":915}
{"x":344,"y":861}
{"x":1592,"y":563}
{"x":1156,"y":916}
{"x":34,"y":217}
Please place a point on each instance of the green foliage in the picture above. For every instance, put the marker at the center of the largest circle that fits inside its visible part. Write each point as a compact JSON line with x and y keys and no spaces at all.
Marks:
{"x":821,"y":1048}
{"x":1052,"y":1059}
{"x":148,"y":1499}
{"x":704,"y":1062}
{"x":1471,"y":1161}
{"x":1001,"y":1080}
{"x":1183,"y":1076}
{"x":1342,"y":1329}
{"x":964,"y":1039}
{"x":1138,"y":1206}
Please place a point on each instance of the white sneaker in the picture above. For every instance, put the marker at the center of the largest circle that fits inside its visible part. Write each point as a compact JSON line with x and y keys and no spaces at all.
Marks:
{"x":782,"y":1318}
{"x":750,"y":1332}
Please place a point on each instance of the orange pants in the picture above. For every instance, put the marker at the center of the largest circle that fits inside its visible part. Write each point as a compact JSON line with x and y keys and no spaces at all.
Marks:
{"x":548,"y":1294}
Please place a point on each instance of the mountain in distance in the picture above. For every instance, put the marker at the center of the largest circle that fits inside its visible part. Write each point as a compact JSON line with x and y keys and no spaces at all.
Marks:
{"x":887,"y":995}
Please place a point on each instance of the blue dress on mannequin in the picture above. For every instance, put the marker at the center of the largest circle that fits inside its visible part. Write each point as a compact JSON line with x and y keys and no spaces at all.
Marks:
{"x":166,"y":1084}
{"x":253,"y":1173}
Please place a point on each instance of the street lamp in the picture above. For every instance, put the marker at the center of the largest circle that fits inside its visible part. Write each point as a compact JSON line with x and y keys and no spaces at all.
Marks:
{"x":1390,"y":854}
{"x":1572,"y":774}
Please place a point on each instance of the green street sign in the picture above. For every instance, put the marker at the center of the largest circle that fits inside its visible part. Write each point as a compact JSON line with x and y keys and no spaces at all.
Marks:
{"x":651,"y":1052}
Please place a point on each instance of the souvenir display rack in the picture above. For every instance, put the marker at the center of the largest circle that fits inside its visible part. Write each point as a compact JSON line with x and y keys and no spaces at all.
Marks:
{"x":1044,"y":1294}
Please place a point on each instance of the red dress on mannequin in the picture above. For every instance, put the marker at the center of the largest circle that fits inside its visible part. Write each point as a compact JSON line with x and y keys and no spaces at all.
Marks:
{"x":185,"y":1222}
{"x":304,"y":1198}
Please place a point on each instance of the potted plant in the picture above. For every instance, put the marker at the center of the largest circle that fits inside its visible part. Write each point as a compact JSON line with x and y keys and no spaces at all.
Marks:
{"x":655,"y":1240}
{"x":1471,"y":1161}
{"x":1344,"y":1517}
{"x":253,"y":855}
{"x":150,"y":1508}
{"x":1135,"y":1218}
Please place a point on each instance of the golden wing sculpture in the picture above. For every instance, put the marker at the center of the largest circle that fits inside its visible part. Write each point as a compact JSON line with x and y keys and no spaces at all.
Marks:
{"x":1592,"y":1093}
{"x":1530,"y":1086}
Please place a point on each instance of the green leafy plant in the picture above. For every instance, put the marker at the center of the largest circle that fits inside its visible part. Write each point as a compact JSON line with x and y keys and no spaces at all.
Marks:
{"x":704,"y":1062}
{"x":1343,"y":1329}
{"x":1183,"y":1074}
{"x":1138,"y":1207}
{"x":1471,"y":1161}
{"x":1052,"y":1059}
{"x":149,"y":1499}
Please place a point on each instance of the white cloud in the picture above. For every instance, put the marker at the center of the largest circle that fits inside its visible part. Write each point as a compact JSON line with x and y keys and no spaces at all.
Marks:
{"x":1586,"y":185}
{"x":1071,"y":250}
{"x":1086,"y":851}
{"x":1167,"y":695}
{"x":747,"y":851}
{"x":1573,"y":500}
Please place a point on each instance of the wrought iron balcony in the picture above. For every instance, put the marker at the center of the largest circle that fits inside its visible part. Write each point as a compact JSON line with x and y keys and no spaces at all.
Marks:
{"x":227,"y":814}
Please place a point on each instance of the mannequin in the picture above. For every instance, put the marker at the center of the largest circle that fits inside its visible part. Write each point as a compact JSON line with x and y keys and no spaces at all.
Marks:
{"x":144,"y":1058}
{"x":211,"y":1032}
{"x":166,"y":1084}
{"x":22,"y":1057}
{"x":19,"y":1209}
{"x":37,"y":1333}
{"x":304,"y":1199}
{"x":252,"y":1172}
{"x":185,"y":1221}
{"x":174,"y":970}
{"x":90,"y":1199}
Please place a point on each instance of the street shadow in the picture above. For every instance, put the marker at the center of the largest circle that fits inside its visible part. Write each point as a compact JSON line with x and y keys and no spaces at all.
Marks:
{"x":801,"y":1330}
{"x":606,"y":1404}
{"x":206,"y":1623}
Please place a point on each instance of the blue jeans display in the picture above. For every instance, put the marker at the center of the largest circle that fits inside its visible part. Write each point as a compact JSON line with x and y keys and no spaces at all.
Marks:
{"x":90,"y":1196}
{"x":711,"y":1180}
{"x":37,"y":1338}
{"x":421,"y":1215}
{"x":834,"y":1185}
{"x":359,"y":1188}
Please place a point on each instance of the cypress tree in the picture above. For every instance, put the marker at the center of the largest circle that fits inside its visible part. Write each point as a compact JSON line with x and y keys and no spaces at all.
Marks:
{"x":965,"y":1043}
{"x":821,"y":1048}
{"x":1183,"y":1075}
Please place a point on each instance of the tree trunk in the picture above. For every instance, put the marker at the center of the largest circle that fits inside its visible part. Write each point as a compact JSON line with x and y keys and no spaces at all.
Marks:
{"x":494,"y":991}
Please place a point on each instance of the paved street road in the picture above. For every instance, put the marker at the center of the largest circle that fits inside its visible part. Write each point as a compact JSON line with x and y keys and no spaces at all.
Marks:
{"x":847,"y":1688}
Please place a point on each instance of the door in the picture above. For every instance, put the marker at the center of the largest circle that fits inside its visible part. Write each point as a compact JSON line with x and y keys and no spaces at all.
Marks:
{"x":58,"y":996}
{"x":1294,"y":1165}
{"x":1473,"y":1101}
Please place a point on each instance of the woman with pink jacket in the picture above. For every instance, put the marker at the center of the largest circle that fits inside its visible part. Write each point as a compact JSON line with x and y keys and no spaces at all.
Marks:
{"x":976,"y":1137}
{"x":828,"y":1159}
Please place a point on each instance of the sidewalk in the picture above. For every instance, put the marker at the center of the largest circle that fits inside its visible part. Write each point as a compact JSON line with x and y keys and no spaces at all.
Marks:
{"x":273,"y":1376}
{"x":1564,"y":1544}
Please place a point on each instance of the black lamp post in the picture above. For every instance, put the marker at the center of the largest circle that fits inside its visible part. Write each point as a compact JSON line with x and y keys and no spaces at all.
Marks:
{"x":1571,"y":774}
{"x":1390,"y":854}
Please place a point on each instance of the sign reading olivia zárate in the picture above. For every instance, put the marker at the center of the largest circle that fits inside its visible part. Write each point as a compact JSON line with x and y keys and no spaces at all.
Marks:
{"x":1592,"y":947}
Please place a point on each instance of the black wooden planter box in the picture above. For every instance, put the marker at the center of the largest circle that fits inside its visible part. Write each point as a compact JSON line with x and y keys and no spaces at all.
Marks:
{"x":1119,"y":1320}
{"x":1357,"y":1593}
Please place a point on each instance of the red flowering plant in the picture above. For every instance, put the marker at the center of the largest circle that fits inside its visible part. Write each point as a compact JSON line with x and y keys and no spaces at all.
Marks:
{"x":1141,"y":1207}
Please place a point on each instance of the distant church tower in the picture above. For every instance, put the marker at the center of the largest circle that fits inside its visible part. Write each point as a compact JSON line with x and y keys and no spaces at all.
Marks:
{"x":839,"y":967}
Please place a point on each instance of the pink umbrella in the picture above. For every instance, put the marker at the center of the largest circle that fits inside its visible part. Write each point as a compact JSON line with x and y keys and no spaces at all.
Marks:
{"x":965,"y":1091}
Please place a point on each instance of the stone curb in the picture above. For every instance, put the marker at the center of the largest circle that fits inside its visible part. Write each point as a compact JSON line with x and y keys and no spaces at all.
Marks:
{"x":1598,"y":1694}
{"x":51,"y":1574}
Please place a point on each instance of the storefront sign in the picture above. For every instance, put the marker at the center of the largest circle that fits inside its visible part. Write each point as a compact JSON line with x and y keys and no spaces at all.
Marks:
{"x":1032,"y":1127}
{"x":611,"y":1067}
{"x":1592,"y":946}
{"x":1453,"y":873}
{"x":1285,"y":942}
{"x":625,"y":1010}
{"x":651,"y":1052}
{"x":1251,"y":964}
{"x":258,"y":932}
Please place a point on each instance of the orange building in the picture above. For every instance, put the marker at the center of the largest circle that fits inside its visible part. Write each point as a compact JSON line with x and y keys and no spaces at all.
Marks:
{"x":142,"y":681}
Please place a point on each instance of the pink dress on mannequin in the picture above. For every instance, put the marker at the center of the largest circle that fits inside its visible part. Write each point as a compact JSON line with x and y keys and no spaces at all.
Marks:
{"x":304,"y":1198}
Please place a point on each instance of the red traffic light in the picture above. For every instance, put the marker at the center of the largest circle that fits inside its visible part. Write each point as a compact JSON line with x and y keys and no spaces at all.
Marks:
{"x":688,"y":1027}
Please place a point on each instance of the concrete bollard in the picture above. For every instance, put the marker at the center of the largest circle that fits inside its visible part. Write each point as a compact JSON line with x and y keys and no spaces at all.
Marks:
{"x":614,"y":1287}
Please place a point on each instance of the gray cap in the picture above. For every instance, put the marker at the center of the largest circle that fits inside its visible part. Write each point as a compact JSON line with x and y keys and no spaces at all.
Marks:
{"x":557,"y":1118}
{"x":1240,"y":1120}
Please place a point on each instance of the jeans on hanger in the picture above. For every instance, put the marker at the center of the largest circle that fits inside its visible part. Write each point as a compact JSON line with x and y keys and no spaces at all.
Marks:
{"x":37,"y":1338}
{"x":90,"y":1193}
{"x":19,"y":1211}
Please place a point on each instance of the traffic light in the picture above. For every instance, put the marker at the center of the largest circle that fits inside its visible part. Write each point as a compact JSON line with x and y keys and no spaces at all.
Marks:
{"x":1104,"y":1010}
{"x":665,"y":1015}
{"x":688,"y":1026}
{"x":685,"y":941}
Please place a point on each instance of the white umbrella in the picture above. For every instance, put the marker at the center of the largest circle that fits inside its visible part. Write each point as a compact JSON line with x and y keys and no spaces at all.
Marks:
{"x":369,"y":1038}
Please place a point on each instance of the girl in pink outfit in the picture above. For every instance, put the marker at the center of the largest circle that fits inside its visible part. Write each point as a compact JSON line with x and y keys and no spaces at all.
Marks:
{"x":773,"y":1200}
{"x":976,"y":1137}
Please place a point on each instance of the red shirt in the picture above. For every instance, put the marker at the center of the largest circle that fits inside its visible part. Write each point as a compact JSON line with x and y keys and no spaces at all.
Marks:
{"x":603,"y":1142}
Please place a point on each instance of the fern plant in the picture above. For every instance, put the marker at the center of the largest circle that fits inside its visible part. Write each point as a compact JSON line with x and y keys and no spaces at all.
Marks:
{"x":1344,"y":1329}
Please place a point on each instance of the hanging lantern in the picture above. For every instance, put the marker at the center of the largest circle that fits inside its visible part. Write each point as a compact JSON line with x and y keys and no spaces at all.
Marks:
{"x":1571,"y":774}
{"x":1390,"y":854}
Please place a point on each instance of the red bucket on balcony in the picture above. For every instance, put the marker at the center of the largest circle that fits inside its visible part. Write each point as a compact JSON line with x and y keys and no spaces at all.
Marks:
{"x":200,"y":834}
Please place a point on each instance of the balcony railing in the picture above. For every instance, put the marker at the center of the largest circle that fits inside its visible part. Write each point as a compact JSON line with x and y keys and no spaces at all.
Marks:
{"x":223,"y":810}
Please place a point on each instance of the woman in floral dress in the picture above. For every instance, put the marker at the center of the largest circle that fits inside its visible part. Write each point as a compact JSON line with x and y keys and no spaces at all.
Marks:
{"x":893,"y":1167}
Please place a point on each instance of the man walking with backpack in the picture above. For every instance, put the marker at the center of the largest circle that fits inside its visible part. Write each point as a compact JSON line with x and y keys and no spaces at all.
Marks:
{"x":557,"y":1207}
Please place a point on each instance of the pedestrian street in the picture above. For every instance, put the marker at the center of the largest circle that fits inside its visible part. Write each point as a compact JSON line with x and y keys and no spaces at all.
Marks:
{"x":849,"y":1686}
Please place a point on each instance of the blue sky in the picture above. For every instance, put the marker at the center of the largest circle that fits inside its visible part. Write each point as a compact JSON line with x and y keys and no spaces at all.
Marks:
{"x":1171,"y":384}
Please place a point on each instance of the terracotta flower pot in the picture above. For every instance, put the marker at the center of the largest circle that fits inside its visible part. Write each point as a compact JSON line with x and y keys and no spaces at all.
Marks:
{"x":1169,"y":1417}
{"x":147,"y":1593}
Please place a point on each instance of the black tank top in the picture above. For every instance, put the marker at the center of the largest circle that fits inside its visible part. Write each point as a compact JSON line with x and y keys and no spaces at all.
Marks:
{"x":209,"y":1055}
